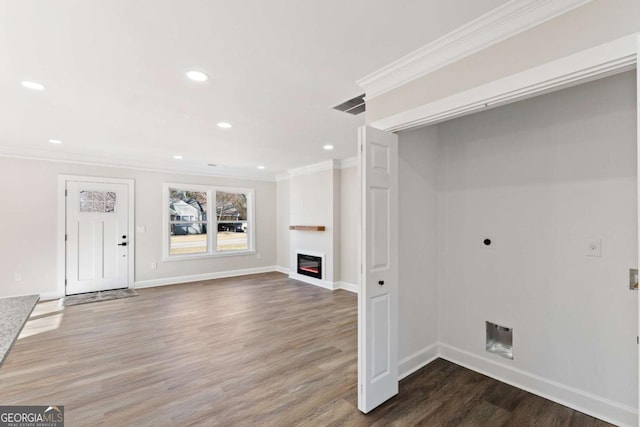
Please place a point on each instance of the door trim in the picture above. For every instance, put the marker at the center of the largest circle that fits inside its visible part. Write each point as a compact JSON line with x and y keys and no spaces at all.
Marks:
{"x":61,"y":267}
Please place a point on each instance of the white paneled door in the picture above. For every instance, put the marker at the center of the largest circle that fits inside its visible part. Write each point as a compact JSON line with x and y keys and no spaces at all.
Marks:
{"x":97,"y":240}
{"x":378,"y":297}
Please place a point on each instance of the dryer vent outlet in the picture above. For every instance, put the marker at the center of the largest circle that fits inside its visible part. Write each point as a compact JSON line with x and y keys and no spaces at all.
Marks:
{"x":499,"y":340}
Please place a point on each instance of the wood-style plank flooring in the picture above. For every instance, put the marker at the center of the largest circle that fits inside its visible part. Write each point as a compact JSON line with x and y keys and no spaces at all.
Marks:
{"x":257,"y":350}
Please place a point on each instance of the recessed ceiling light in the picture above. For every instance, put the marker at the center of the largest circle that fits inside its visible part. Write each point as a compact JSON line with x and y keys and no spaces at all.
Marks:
{"x":33,"y":85}
{"x":197,"y":76}
{"x":328,"y":147}
{"x":224,"y":125}
{"x":260,"y":167}
{"x":55,"y":141}
{"x":177,"y":157}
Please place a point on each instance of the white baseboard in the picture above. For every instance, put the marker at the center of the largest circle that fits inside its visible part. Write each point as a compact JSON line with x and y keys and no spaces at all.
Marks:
{"x":313,"y":281}
{"x":48,"y":296}
{"x":579,"y":400}
{"x":218,"y":275}
{"x":417,"y":360}
{"x":284,"y":270}
{"x":322,"y":283}
{"x":199,"y":277}
{"x":351,"y":287}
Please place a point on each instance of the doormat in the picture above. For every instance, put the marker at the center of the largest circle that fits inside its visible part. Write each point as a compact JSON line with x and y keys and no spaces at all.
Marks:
{"x":98,"y":296}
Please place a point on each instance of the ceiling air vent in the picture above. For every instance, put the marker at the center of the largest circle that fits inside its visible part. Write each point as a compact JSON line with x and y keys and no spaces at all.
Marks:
{"x":353,"y":106}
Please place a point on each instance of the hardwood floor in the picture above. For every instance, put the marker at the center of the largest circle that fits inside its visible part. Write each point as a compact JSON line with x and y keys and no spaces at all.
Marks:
{"x":256,"y":350}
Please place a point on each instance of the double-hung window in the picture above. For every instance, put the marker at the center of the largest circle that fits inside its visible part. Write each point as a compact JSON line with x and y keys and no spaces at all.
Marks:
{"x":203,"y":221}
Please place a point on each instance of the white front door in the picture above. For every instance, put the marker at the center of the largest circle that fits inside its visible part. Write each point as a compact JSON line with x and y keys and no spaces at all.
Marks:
{"x":378,"y":297}
{"x":97,"y":237}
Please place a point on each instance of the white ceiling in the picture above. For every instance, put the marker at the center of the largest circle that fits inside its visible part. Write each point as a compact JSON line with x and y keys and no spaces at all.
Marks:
{"x":117,"y":94}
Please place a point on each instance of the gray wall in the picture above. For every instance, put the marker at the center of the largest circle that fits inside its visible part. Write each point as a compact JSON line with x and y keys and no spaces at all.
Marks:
{"x":28,"y":243}
{"x":539,"y":177}
{"x":282,"y":223}
{"x":349,"y":225}
{"x":418,"y":248}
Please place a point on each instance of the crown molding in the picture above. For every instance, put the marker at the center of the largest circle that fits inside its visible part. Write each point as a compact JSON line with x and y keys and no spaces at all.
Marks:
{"x":282,"y":177}
{"x":314,"y":168}
{"x":184,"y":168}
{"x":607,"y":59}
{"x":140,"y":165}
{"x":505,"y":21}
{"x":319,"y":167}
{"x":351,"y":162}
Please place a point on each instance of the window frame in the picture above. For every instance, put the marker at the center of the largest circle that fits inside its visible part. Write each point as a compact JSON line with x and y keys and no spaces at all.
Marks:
{"x":211,"y":221}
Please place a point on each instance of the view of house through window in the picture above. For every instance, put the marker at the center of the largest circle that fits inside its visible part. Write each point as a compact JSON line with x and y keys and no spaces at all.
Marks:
{"x":192,"y":219}
{"x":187,"y":222}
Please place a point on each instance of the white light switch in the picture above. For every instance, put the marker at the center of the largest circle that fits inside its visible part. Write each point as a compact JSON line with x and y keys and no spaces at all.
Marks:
{"x":141,"y":229}
{"x":594,"y":247}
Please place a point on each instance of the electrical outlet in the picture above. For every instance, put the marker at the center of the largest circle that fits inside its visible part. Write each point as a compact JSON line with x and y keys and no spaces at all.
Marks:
{"x":153,"y":265}
{"x":594,"y":247}
{"x":17,"y":277}
{"x":258,"y":255}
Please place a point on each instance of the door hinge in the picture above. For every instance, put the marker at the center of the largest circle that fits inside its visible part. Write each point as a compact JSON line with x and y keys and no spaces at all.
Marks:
{"x":65,"y":193}
{"x":638,"y":340}
{"x":65,"y":237}
{"x":65,"y":282}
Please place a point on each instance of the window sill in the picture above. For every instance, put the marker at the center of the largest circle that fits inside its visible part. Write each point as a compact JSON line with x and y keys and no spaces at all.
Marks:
{"x":206,"y":256}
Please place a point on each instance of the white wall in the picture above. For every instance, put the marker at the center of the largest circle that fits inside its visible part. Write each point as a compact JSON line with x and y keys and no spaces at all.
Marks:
{"x":312,"y":203}
{"x":28,"y":243}
{"x":539,"y":177}
{"x":418,"y":260}
{"x":349,"y":225}
{"x":323,"y":194}
{"x":282,"y":224}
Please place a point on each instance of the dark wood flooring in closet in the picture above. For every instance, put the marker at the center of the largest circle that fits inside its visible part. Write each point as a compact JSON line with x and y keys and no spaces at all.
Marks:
{"x":256,"y":350}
